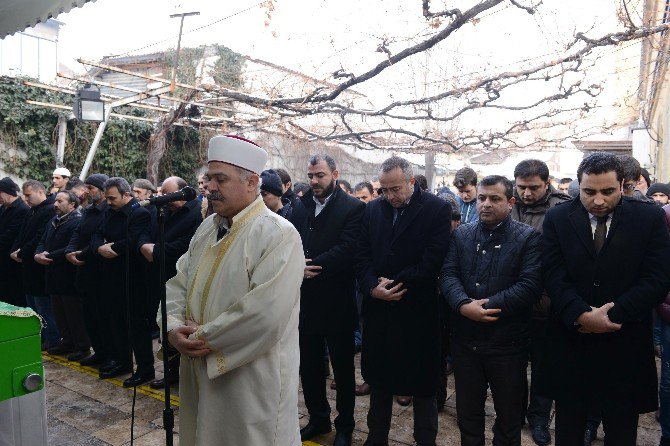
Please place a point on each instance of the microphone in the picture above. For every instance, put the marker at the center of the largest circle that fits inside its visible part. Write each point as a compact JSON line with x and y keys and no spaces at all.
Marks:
{"x":186,"y":194}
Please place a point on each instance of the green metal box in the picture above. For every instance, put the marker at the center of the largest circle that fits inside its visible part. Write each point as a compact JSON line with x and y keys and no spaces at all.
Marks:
{"x":21,"y":370}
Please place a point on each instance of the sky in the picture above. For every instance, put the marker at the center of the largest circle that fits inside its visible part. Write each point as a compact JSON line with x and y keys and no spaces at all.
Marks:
{"x":318,"y":37}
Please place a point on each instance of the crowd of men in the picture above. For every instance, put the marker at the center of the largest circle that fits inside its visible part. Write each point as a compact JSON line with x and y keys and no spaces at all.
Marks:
{"x":480,"y":281}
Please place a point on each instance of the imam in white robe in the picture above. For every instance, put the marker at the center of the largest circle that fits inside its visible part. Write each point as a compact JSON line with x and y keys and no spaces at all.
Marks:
{"x":244,"y":291}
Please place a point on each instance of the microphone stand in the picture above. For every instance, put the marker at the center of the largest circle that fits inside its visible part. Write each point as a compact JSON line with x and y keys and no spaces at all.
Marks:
{"x":168,"y":413}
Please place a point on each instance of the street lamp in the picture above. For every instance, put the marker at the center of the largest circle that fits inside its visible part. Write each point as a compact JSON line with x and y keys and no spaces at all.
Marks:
{"x":88,"y":106}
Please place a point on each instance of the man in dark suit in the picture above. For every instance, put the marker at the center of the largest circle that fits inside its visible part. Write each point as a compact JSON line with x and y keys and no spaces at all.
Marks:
{"x":404,"y":237}
{"x":328,"y":228}
{"x":82,"y":254}
{"x":23,"y":252}
{"x":181,"y":221}
{"x":605,"y":266}
{"x":13,"y":212}
{"x":116,"y":243}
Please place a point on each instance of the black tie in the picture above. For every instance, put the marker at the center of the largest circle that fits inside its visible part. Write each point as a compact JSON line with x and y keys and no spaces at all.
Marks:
{"x":601,"y":233}
{"x":221,"y":232}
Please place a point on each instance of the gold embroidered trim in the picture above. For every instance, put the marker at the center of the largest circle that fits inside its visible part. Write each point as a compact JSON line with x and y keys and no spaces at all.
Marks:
{"x":256,"y":208}
{"x":220,"y":363}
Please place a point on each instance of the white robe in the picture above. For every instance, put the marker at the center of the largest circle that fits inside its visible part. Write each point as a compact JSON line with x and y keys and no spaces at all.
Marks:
{"x":244,"y":393}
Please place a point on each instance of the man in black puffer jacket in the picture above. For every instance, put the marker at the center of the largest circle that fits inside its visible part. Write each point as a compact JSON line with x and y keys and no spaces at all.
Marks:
{"x":491,"y":279}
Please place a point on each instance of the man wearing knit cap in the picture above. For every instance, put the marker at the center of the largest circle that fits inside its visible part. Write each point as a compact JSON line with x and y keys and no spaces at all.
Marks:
{"x":80,"y":253}
{"x":272,"y":191}
{"x":143,"y":189}
{"x":659,"y":192}
{"x":233,"y":311}
{"x":13,"y":211}
{"x":60,"y":178}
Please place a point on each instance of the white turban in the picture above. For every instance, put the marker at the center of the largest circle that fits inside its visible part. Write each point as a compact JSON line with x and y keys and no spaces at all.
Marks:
{"x":237,"y":151}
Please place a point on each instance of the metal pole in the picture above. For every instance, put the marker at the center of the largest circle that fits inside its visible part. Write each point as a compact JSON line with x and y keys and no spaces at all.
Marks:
{"x":94,"y":145}
{"x":176,"y":62}
{"x":168,"y":413}
{"x":62,"y":130}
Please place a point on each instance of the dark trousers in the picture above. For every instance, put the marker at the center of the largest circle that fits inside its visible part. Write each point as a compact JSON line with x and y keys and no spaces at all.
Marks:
{"x":94,"y":320}
{"x":69,"y":317}
{"x":539,"y":407}
{"x":506,"y":374}
{"x":379,"y":418}
{"x":119,"y":320}
{"x":620,"y":428}
{"x":312,"y":374}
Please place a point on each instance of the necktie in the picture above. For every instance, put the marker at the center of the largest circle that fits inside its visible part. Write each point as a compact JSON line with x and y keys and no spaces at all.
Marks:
{"x":601,"y":233}
{"x":221,"y":232}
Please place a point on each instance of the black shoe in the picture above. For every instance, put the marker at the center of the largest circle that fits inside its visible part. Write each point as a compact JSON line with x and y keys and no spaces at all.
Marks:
{"x":540,"y":434}
{"x":160,"y":383}
{"x":91,"y":361}
{"x":342,"y":439}
{"x":46,"y":346}
{"x":590,"y":434}
{"x":118,"y":370}
{"x":78,"y":356}
{"x":139,"y":378}
{"x":108,"y":365}
{"x":61,"y":349}
{"x":314,"y":428}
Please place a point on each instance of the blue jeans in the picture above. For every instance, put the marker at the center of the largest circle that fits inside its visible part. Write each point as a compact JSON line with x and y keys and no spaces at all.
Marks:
{"x":42,"y":304}
{"x":664,"y":385}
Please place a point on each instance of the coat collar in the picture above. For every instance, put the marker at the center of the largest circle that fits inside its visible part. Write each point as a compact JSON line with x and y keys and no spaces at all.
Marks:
{"x":409,"y":214}
{"x":579,"y":218}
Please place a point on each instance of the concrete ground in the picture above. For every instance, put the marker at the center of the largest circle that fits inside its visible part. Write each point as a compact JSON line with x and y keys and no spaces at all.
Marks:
{"x":83,"y":410}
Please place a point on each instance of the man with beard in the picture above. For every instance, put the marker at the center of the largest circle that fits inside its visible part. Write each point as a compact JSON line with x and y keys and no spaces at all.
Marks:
{"x":233,"y":311}
{"x":14,"y":211}
{"x":181,"y":221}
{"x":60,"y":275}
{"x":80,"y":190}
{"x":534,"y":197}
{"x":116,"y":242}
{"x":23,"y":252}
{"x":327,"y":306}
{"x":605,"y":267}
{"x":403,"y":240}
{"x":82,"y":254}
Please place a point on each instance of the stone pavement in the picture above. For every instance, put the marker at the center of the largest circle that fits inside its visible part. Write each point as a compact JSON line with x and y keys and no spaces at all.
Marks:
{"x":83,"y":410}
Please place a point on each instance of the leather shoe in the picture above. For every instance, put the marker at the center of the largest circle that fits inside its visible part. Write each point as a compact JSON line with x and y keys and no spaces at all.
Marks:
{"x":403,"y":400}
{"x":79,"y":355}
{"x":139,"y":378}
{"x":540,"y":434}
{"x":107,"y":365}
{"x":61,"y":349}
{"x":115,"y":371}
{"x":590,"y":435}
{"x":363,"y":389}
{"x":160,"y":383}
{"x":342,"y":439}
{"x":315,"y":428}
{"x":91,"y":361}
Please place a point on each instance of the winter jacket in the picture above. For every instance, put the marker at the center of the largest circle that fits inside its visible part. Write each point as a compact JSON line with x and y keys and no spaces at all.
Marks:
{"x":89,"y":274}
{"x":60,"y":274}
{"x":31,"y":233}
{"x":664,"y":308}
{"x":468,"y":210}
{"x":502,"y":265}
{"x":534,"y":216}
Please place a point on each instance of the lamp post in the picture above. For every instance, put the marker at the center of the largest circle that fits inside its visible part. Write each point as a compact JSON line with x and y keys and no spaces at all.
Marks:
{"x":88,"y":107}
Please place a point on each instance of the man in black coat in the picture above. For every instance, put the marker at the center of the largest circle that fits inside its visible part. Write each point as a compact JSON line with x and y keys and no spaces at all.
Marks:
{"x":89,"y":270}
{"x":181,"y":221}
{"x":328,"y":313}
{"x":60,"y":278}
{"x":23,"y":252}
{"x":116,"y":242}
{"x":14,"y":211}
{"x":605,"y":266}
{"x":491,"y":279}
{"x":404,"y":237}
